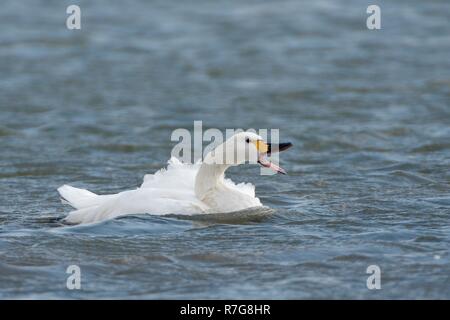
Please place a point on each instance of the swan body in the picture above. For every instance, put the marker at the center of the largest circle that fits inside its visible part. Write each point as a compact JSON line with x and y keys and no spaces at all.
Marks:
{"x":180,"y":189}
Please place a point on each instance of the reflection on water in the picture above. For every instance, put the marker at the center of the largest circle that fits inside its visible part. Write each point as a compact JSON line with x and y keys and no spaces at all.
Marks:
{"x":367,"y":111}
{"x":257,"y":214}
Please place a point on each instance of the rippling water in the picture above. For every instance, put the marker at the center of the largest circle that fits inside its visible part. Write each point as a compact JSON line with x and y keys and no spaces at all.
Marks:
{"x":367,"y":111}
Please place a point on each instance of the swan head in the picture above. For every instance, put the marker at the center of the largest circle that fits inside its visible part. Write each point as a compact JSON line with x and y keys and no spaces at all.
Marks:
{"x":246,"y":147}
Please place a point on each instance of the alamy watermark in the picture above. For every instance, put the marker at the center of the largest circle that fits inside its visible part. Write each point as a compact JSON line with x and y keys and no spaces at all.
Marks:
{"x":224,"y":146}
{"x":373,"y":22}
{"x":73,"y":281}
{"x":73,"y":21}
{"x":374,"y":280}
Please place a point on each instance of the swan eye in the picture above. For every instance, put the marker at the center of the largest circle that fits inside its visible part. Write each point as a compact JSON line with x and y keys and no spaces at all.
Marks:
{"x":247,"y":140}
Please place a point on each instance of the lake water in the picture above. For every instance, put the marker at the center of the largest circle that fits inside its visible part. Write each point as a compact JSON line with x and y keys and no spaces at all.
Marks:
{"x":368,"y":177}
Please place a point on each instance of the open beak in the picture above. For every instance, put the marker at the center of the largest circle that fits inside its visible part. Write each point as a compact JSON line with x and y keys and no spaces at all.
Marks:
{"x":274,"y":148}
{"x":266,"y":149}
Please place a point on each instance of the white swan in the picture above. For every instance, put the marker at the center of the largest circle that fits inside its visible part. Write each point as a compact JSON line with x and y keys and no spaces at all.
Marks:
{"x":182,"y":188}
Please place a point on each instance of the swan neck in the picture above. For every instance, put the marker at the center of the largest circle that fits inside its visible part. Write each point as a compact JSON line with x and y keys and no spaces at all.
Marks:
{"x":209,"y":177}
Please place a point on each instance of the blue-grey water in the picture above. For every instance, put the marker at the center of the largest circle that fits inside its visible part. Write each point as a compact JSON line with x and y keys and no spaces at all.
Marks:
{"x":368,"y":179}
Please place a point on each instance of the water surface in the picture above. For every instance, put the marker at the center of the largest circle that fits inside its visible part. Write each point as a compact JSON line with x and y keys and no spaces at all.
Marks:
{"x":368,"y":179}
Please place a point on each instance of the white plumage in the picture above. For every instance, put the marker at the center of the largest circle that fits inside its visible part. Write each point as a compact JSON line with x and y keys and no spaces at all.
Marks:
{"x":180,"y":189}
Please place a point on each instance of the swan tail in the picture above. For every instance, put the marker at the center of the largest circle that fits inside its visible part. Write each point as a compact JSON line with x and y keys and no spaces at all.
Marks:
{"x":78,"y":198}
{"x":84,"y":215}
